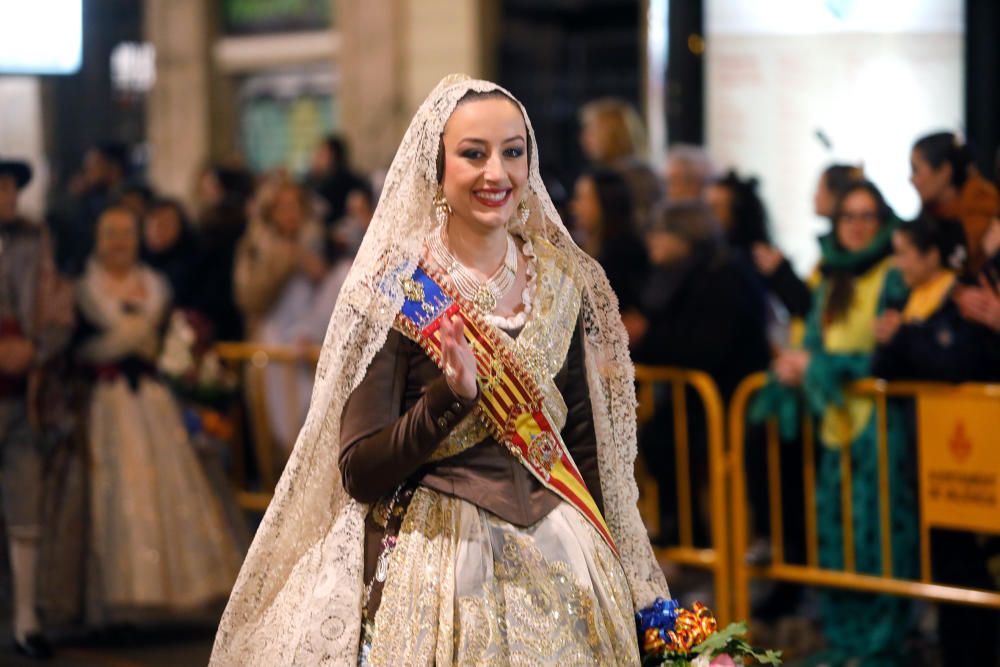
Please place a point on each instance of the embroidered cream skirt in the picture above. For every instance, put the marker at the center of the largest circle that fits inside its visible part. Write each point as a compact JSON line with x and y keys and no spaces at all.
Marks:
{"x":158,"y":534}
{"x":467,"y":588}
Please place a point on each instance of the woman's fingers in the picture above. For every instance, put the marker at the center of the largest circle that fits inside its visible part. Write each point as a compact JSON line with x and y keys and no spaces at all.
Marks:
{"x":448,"y":343}
{"x":454,"y":344}
{"x":458,"y":360}
{"x":458,"y":331}
{"x":449,"y":334}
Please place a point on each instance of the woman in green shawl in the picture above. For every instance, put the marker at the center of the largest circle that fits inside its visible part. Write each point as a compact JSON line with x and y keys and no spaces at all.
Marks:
{"x":855,"y":285}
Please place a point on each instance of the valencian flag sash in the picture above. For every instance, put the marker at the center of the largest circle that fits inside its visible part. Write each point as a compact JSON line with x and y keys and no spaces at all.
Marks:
{"x":511,"y":403}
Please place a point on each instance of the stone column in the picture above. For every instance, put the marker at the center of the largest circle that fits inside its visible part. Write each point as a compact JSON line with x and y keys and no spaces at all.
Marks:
{"x":372,"y":67}
{"x":445,"y":38}
{"x":178,"y":107}
{"x":393,"y":53}
{"x":21,"y":137}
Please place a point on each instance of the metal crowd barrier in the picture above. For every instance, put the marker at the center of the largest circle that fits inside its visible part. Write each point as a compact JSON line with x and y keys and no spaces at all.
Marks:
{"x":715,"y":558}
{"x":254,"y":359}
{"x":726,"y":558}
{"x":811,"y":574}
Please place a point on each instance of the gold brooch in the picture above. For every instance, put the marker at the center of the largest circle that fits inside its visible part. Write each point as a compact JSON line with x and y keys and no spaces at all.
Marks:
{"x":485,"y":300}
{"x":412,"y":290}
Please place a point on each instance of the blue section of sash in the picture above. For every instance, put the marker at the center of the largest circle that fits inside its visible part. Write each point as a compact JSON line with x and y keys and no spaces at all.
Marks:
{"x":422,"y":313}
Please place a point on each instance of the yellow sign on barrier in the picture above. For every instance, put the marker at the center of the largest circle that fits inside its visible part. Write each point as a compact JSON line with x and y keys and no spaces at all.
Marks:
{"x":959,"y":440}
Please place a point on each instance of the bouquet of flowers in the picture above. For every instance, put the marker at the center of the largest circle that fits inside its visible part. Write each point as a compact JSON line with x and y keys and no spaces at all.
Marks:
{"x":671,"y":636}
{"x":189,"y":364}
{"x":205,"y":388}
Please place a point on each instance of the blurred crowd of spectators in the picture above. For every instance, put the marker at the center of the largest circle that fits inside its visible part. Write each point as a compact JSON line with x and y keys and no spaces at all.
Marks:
{"x":701,"y":280}
{"x":703,"y":284}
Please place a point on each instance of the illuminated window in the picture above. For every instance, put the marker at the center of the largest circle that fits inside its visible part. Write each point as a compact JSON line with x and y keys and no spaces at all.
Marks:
{"x":133,"y":67}
{"x":40,"y":36}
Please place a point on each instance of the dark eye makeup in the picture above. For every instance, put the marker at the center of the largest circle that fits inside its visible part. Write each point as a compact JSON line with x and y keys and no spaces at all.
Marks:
{"x":477,"y":154}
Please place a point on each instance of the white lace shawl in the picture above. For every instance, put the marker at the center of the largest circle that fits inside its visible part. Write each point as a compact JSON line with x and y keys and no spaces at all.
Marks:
{"x":121,"y":333}
{"x":298,"y":598}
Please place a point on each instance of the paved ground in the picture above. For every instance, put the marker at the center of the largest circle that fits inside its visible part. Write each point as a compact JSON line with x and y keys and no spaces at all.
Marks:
{"x":159,"y":647}
{"x":794,"y":631}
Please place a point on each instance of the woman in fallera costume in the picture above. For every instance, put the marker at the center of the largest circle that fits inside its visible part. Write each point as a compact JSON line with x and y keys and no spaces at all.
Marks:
{"x":159,"y":541}
{"x":450,"y":502}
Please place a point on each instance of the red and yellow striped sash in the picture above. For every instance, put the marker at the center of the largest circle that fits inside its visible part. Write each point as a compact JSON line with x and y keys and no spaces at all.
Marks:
{"x":511,"y":404}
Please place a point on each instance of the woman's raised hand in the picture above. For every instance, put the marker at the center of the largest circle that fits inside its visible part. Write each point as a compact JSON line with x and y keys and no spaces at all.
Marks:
{"x":459,"y":363}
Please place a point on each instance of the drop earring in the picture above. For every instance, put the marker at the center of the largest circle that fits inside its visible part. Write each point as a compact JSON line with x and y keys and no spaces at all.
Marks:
{"x":442,"y":210}
{"x":523,"y":212}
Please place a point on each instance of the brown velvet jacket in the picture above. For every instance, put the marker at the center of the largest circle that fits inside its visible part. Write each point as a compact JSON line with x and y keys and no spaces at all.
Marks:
{"x":403,"y":408}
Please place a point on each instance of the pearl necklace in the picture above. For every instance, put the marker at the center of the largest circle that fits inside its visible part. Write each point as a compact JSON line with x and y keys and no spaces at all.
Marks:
{"x":485,"y":296}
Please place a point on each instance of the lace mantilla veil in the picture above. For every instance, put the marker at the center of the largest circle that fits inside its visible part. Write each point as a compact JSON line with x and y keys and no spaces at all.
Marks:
{"x":299,"y":594}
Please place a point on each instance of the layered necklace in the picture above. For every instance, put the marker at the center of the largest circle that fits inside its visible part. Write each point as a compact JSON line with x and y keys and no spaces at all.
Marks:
{"x":484,"y":295}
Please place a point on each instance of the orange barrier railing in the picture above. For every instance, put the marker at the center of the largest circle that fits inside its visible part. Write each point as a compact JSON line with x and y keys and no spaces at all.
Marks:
{"x":254,"y":359}
{"x":728,"y":508}
{"x":811,"y":574}
{"x":715,"y":558}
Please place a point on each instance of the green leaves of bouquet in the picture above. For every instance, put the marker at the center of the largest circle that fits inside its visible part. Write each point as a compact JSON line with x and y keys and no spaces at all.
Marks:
{"x":671,"y":636}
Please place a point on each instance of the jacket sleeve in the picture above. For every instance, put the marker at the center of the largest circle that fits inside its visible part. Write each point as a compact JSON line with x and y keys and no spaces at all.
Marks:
{"x":578,"y":433}
{"x":888,"y":361}
{"x":791,"y":290}
{"x":380,"y":444}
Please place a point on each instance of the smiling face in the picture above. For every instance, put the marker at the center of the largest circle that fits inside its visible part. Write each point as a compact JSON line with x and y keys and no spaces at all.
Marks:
{"x":485,"y":162}
{"x":858,"y":222}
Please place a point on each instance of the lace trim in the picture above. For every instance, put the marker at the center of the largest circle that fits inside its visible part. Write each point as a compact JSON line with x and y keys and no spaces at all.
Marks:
{"x":298,"y":596}
{"x":518,"y":320}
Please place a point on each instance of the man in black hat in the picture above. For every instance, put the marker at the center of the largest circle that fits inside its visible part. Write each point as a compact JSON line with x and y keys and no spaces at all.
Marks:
{"x":36,"y":314}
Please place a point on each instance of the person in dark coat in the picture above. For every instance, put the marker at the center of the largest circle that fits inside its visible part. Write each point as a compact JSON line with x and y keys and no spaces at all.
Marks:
{"x":36,"y":318}
{"x":603,"y":215}
{"x":929,"y":339}
{"x":332,"y":178}
{"x":225,"y":192}
{"x":706,"y":313}
{"x":740,"y":210}
{"x":611,"y":134}
{"x":100,"y":183}
{"x":950,"y":186}
{"x":702,"y":310}
{"x":169,"y":245}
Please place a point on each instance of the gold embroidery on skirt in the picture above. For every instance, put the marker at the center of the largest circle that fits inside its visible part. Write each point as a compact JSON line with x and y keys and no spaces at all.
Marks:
{"x":516,"y":605}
